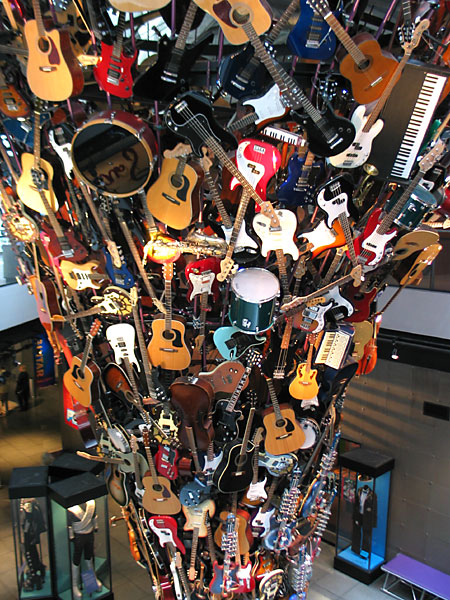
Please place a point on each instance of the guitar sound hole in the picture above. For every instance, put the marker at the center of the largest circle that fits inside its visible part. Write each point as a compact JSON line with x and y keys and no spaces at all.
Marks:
{"x":176,"y":181}
{"x":168,"y":334}
{"x":363,"y":66}
{"x":157,"y":487}
{"x":240,"y":18}
{"x":44,"y":44}
{"x":280,"y":423}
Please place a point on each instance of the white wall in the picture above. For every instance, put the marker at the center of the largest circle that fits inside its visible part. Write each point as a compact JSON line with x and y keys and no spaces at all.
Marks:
{"x":417,"y":311}
{"x":17,"y":306}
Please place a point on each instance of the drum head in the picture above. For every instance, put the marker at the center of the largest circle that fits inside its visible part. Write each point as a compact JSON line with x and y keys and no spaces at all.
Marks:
{"x":255,"y":285}
{"x":111,"y":158}
{"x":311,"y":431}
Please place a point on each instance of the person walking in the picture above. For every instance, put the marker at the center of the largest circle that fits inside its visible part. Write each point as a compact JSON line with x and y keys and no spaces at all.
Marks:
{"x":23,"y":388}
{"x":3,"y":392}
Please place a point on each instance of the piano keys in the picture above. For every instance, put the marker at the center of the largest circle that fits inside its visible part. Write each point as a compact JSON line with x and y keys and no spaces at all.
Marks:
{"x":335,"y":346}
{"x":407,"y":116}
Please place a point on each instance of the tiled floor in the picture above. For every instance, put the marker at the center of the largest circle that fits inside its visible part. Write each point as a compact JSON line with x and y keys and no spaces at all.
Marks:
{"x":25,"y":436}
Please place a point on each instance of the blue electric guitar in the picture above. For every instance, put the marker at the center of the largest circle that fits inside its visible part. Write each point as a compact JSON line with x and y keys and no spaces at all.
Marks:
{"x":232,"y":343}
{"x":312,"y":38}
{"x":300,"y":185}
{"x":119,"y":276}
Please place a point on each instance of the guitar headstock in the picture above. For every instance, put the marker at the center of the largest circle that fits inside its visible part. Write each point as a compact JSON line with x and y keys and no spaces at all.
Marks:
{"x":179,"y":151}
{"x":356,"y":274}
{"x":167,"y":270}
{"x":227,"y":267}
{"x":134,"y":444}
{"x":95,"y":327}
{"x":432,"y":156}
{"x":412,"y":35}
{"x":320,"y":6}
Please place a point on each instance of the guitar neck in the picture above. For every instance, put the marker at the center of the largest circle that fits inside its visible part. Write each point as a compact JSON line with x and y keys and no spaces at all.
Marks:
{"x":193,"y":445}
{"x":144,"y":354}
{"x":274,"y":400}
{"x":273,"y":486}
{"x":118,"y":44}
{"x":211,"y":547}
{"x":86,"y":352}
{"x":281,"y":262}
{"x":237,"y":392}
{"x":406,"y":8}
{"x":345,"y":39}
{"x":282,"y":21}
{"x":243,"y":204}
{"x":217,"y":200}
{"x":309,"y":358}
{"x":203,"y":309}
{"x":168,"y":301}
{"x":387,"y":221}
{"x":38,"y":17}
{"x":151,"y":462}
{"x":130,"y":373}
{"x":246,"y":437}
{"x":180,"y":44}
{"x":194,"y":547}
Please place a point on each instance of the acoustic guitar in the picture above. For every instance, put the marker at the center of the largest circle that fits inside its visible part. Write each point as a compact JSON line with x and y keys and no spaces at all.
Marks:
{"x":304,"y":386}
{"x":53,"y":72}
{"x":80,"y":377}
{"x":167,"y":348}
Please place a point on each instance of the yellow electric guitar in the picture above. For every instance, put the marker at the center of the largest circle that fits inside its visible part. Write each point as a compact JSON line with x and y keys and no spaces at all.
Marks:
{"x":83,"y":276}
{"x":196,"y":522}
{"x":167,"y":348}
{"x":304,"y":386}
{"x":172,"y":197}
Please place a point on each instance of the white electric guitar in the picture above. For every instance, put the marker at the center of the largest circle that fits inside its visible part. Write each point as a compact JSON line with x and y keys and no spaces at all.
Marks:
{"x":280,"y":239}
{"x":266,"y":107}
{"x":368,"y":127}
{"x":121,"y":338}
{"x":201,"y":283}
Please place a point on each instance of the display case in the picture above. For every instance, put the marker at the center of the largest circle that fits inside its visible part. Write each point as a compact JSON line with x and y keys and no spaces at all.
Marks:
{"x":79,"y":514}
{"x":365,"y":479}
{"x":31,"y":529}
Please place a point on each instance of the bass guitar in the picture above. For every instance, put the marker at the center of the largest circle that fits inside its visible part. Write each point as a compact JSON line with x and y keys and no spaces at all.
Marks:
{"x":167,"y":348}
{"x":53,"y":72}
{"x":79,"y":378}
{"x":170,"y":74}
{"x":113,"y":72}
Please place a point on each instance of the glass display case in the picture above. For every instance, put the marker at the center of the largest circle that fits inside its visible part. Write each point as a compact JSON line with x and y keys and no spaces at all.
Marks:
{"x":365,"y":479}
{"x":79,"y":514}
{"x":30,"y":521}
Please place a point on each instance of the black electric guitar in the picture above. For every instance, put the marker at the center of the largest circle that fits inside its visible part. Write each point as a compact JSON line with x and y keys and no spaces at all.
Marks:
{"x":327,"y":134}
{"x":169,"y":75}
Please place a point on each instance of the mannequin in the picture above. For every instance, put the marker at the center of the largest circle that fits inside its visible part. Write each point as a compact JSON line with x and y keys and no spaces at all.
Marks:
{"x":364,"y":515}
{"x":32,"y":524}
{"x":82,"y":522}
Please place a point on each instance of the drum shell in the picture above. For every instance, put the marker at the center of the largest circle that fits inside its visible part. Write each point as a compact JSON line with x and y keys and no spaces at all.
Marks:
{"x":253,"y":315}
{"x":420,"y":203}
{"x":311,"y":431}
{"x":124,"y":172}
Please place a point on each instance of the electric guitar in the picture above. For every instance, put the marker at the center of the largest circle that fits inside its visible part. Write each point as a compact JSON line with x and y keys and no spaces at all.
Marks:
{"x":367,"y":128}
{"x":167,"y":348}
{"x":113,"y":72}
{"x":368,"y":68}
{"x":371,"y":244}
{"x":174,"y":197}
{"x":311,"y":38}
{"x":79,"y":378}
{"x":304,"y":386}
{"x":283,"y":432}
{"x":170,"y":74}
{"x":232,"y":343}
{"x":53,"y":72}
{"x":88,"y":275}
{"x":12,"y":104}
{"x":166,"y":529}
{"x":195,"y":522}
{"x":158,"y":497}
{"x":300,"y":185}
{"x":267,"y":107}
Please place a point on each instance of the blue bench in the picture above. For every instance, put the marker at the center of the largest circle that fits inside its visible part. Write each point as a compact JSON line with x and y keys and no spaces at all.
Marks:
{"x":419,"y":579}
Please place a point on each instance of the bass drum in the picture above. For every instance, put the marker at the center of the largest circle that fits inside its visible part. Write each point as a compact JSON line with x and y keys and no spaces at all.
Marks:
{"x":420,"y":203}
{"x":253,"y":295}
{"x":114,"y":153}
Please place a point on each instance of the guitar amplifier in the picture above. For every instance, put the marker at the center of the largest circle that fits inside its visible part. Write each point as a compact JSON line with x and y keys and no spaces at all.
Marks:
{"x":407,"y":115}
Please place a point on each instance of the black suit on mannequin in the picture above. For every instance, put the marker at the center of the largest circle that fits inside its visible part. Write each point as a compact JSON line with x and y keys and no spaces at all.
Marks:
{"x":364,"y":518}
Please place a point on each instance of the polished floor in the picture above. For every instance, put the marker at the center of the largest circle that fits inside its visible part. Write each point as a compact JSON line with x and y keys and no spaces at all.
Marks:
{"x":25,"y":437}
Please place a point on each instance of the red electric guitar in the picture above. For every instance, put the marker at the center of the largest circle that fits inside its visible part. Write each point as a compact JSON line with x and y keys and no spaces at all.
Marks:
{"x":113,"y":72}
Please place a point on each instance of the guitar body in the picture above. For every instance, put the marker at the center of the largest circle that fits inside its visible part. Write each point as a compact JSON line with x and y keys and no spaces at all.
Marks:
{"x":47,"y":302}
{"x":323,"y":238}
{"x":277,"y":240}
{"x":380,"y":68}
{"x":82,"y":277}
{"x":113,"y":75}
{"x":195,"y":517}
{"x":372,"y":241}
{"x":414,"y":241}
{"x":192,"y":110}
{"x":362,"y":336}
{"x":284,"y":436}
{"x":80,"y":386}
{"x":298,"y":189}
{"x":232,"y":343}
{"x":359,"y":150}
{"x":245,"y":579}
{"x":194,"y":271}
{"x":225,"y":423}
{"x":11,"y":102}
{"x":152,"y":86}
{"x":27,"y":191}
{"x":311,"y":38}
{"x":304,"y":386}
{"x":235,"y":473}
{"x":225,"y":377}
{"x":216,"y":584}
{"x":258,"y":161}
{"x":53,"y":73}
{"x":192,"y":399}
{"x":158,"y":498}
{"x":369,"y":359}
{"x":117,"y":382}
{"x":361,"y":302}
{"x":167,"y":349}
{"x":121,"y":277}
{"x":116,"y":485}
{"x":317,"y":142}
{"x":240,"y":77}
{"x":268,"y":107}
{"x":221,"y":11}
{"x":261,"y":522}
{"x":53,"y":246}
{"x":245,"y":537}
{"x":170,"y":198}
{"x":334,"y":198}
{"x":165,"y":462}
